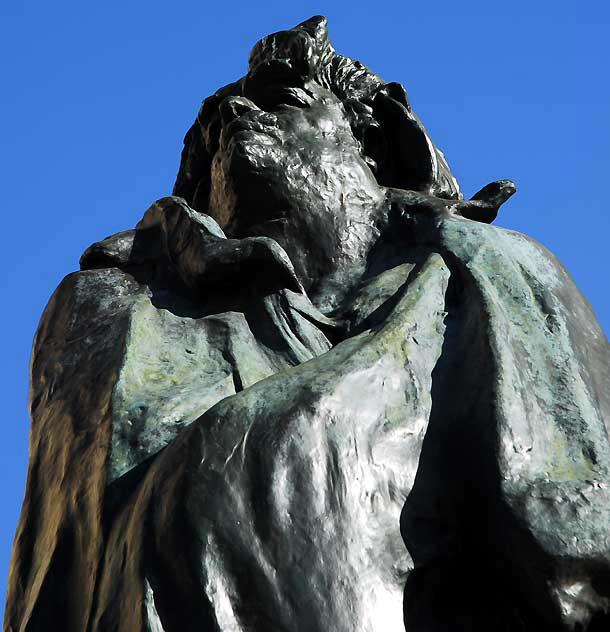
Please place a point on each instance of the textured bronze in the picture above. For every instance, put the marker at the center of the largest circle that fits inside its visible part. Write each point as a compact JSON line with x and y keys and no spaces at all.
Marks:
{"x":315,"y":390}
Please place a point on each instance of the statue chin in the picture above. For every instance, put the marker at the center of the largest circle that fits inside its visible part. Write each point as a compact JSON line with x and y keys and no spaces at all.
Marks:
{"x":315,"y":389}
{"x":296,"y":175}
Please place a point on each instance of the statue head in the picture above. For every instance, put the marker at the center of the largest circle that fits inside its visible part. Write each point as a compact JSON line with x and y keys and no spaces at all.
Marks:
{"x":303,"y":149}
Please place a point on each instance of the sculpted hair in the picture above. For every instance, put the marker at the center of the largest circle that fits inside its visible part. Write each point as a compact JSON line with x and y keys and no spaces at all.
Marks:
{"x":393,"y":140}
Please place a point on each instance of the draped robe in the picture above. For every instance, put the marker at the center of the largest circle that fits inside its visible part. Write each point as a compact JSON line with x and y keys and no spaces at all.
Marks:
{"x":239,"y":461}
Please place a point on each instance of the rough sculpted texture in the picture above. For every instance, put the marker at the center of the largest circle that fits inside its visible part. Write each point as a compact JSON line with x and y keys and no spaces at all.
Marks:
{"x":316,"y":390}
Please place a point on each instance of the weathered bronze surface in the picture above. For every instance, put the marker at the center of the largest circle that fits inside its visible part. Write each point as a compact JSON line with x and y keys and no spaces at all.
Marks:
{"x":316,"y":390}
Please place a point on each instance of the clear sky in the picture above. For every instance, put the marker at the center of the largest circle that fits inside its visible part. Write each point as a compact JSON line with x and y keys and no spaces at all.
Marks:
{"x":96,"y":98}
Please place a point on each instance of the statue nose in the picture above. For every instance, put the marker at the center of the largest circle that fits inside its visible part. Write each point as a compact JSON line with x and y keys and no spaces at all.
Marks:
{"x":233,"y":107}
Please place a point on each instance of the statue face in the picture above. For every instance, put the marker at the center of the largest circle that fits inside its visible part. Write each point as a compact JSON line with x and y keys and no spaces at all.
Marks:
{"x":294,"y":172}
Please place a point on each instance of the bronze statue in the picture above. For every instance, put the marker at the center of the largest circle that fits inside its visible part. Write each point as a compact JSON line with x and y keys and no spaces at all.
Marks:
{"x":316,"y":390}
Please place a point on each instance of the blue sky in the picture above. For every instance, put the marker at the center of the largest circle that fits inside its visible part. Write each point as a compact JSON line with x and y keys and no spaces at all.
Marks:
{"x":97,"y":97}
